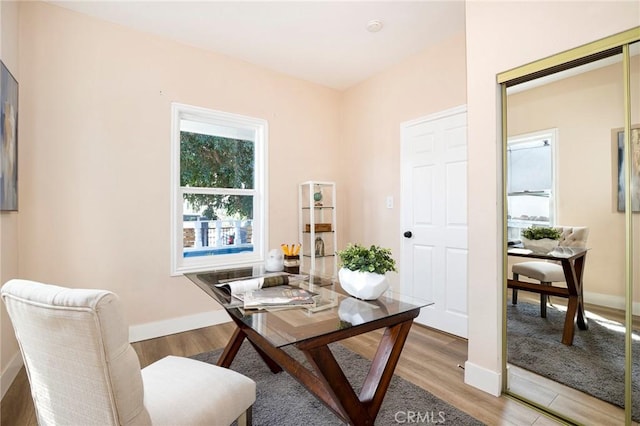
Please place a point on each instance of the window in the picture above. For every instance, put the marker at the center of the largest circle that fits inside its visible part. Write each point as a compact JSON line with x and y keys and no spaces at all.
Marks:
{"x":218,"y":189}
{"x":531,"y":181}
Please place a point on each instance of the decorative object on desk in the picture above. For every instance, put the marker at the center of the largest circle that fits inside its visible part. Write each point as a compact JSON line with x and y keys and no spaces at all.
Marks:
{"x":236,"y":287}
{"x":319,"y":246}
{"x":275,"y":261}
{"x":292,"y":264}
{"x":278,"y":297}
{"x":540,"y":239}
{"x":8,"y":140}
{"x":282,"y":401}
{"x":363,"y":270}
{"x":291,"y":257}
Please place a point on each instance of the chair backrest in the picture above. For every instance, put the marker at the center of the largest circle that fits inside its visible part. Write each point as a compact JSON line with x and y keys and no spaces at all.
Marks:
{"x":573,"y":236}
{"x":74,"y":342}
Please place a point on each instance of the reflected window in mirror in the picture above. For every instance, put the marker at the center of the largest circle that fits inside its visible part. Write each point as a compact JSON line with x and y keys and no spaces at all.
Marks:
{"x":530,"y":181}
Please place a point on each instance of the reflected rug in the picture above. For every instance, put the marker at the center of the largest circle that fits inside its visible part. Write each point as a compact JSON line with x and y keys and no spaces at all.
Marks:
{"x":594,"y":364}
{"x":282,"y":401}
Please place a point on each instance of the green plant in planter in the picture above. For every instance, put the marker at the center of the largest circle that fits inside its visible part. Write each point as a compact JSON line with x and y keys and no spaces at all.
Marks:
{"x":373,"y":259}
{"x":539,"y":232}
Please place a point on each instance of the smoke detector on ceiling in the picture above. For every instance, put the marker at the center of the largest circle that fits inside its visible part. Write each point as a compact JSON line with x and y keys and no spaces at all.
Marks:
{"x":374,"y":26}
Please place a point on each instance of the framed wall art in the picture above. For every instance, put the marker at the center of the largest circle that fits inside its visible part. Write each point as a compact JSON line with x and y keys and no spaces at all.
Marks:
{"x":8,"y":140}
{"x":618,"y":136}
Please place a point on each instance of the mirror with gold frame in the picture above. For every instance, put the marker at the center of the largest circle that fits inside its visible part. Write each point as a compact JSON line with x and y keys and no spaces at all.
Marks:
{"x":565,"y":121}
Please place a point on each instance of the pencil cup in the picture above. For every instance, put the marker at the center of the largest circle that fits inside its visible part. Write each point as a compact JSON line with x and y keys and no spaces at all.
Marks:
{"x":292,"y":264}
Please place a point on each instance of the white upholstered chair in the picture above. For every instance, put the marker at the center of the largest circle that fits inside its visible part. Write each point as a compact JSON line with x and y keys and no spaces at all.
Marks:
{"x":83,"y":371}
{"x":549,"y":272}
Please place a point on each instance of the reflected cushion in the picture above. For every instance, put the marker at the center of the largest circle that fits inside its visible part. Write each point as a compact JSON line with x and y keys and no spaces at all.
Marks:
{"x":541,"y":271}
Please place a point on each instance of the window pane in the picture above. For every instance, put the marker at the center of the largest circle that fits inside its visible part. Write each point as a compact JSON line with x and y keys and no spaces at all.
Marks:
{"x":216,"y":162}
{"x":530,"y":168}
{"x":216,"y":225}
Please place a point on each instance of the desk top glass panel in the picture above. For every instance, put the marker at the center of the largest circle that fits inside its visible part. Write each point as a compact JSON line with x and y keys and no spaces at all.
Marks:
{"x":334,"y":312}
{"x":557,"y":253}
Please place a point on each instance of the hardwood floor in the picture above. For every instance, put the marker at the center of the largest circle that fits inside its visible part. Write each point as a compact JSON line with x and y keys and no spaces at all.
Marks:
{"x":430,"y":359}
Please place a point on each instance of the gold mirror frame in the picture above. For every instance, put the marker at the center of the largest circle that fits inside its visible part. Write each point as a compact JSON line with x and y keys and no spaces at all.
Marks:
{"x":613,"y":45}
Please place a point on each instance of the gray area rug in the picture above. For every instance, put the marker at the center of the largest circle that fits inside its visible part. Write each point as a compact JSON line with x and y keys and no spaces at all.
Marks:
{"x":594,"y":364}
{"x":282,"y":401}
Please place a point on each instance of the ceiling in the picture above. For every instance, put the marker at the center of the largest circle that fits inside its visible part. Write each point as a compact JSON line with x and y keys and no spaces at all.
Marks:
{"x":325,"y":42}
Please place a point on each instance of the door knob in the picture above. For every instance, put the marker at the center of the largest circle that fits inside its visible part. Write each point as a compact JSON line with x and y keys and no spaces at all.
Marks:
{"x":408,"y":234}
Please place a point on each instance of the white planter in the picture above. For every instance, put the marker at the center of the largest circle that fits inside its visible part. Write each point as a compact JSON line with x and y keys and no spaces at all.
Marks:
{"x":542,"y":246}
{"x":363,"y":285}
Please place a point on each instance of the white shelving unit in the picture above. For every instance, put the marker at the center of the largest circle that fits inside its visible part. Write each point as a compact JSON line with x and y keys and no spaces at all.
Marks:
{"x":317,"y":227}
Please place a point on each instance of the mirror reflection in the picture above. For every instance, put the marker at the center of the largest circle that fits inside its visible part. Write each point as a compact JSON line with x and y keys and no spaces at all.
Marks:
{"x":563,"y":171}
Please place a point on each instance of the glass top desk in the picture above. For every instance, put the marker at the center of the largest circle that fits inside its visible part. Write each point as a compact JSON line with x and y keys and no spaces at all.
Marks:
{"x":572,"y":260}
{"x":336,"y":317}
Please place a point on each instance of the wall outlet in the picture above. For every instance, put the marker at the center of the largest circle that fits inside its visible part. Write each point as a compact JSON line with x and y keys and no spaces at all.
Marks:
{"x":389,"y":202}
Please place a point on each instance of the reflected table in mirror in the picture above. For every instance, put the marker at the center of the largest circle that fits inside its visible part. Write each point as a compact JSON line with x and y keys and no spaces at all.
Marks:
{"x":572,"y":260}
{"x":335,"y":317}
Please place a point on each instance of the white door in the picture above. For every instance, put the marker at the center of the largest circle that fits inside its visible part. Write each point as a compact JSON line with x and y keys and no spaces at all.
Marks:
{"x":434,"y":217}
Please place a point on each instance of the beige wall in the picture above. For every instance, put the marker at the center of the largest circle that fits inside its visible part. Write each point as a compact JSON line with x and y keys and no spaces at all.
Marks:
{"x":8,"y":220}
{"x":429,"y":82}
{"x":585,"y":109}
{"x":95,"y":152}
{"x":501,"y":36}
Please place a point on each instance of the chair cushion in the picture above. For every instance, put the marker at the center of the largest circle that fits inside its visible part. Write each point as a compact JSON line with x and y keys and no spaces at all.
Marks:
{"x":183,"y":391}
{"x":541,"y":271}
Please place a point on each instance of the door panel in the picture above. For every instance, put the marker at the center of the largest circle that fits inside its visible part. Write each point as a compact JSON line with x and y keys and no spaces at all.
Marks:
{"x":434,"y":209}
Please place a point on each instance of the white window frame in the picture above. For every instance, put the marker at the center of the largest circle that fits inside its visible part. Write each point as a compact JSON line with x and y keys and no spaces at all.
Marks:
{"x":552,"y":135}
{"x":258,"y":129}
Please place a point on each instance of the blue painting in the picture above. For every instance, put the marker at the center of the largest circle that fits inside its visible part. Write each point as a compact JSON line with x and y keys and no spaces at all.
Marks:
{"x":9,"y":140}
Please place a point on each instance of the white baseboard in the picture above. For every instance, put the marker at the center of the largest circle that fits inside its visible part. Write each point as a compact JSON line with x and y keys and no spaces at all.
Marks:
{"x":483,"y":379}
{"x":10,"y":373}
{"x":615,"y":302}
{"x":177,"y":325}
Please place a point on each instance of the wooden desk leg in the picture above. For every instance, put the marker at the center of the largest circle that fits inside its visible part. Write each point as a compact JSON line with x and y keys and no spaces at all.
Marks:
{"x":569,"y":321}
{"x":232,"y":348}
{"x":383,"y":365}
{"x":336,"y":382}
{"x":579,"y":271}
{"x":230,"y":351}
{"x":364,"y":409}
{"x":573,"y":272}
